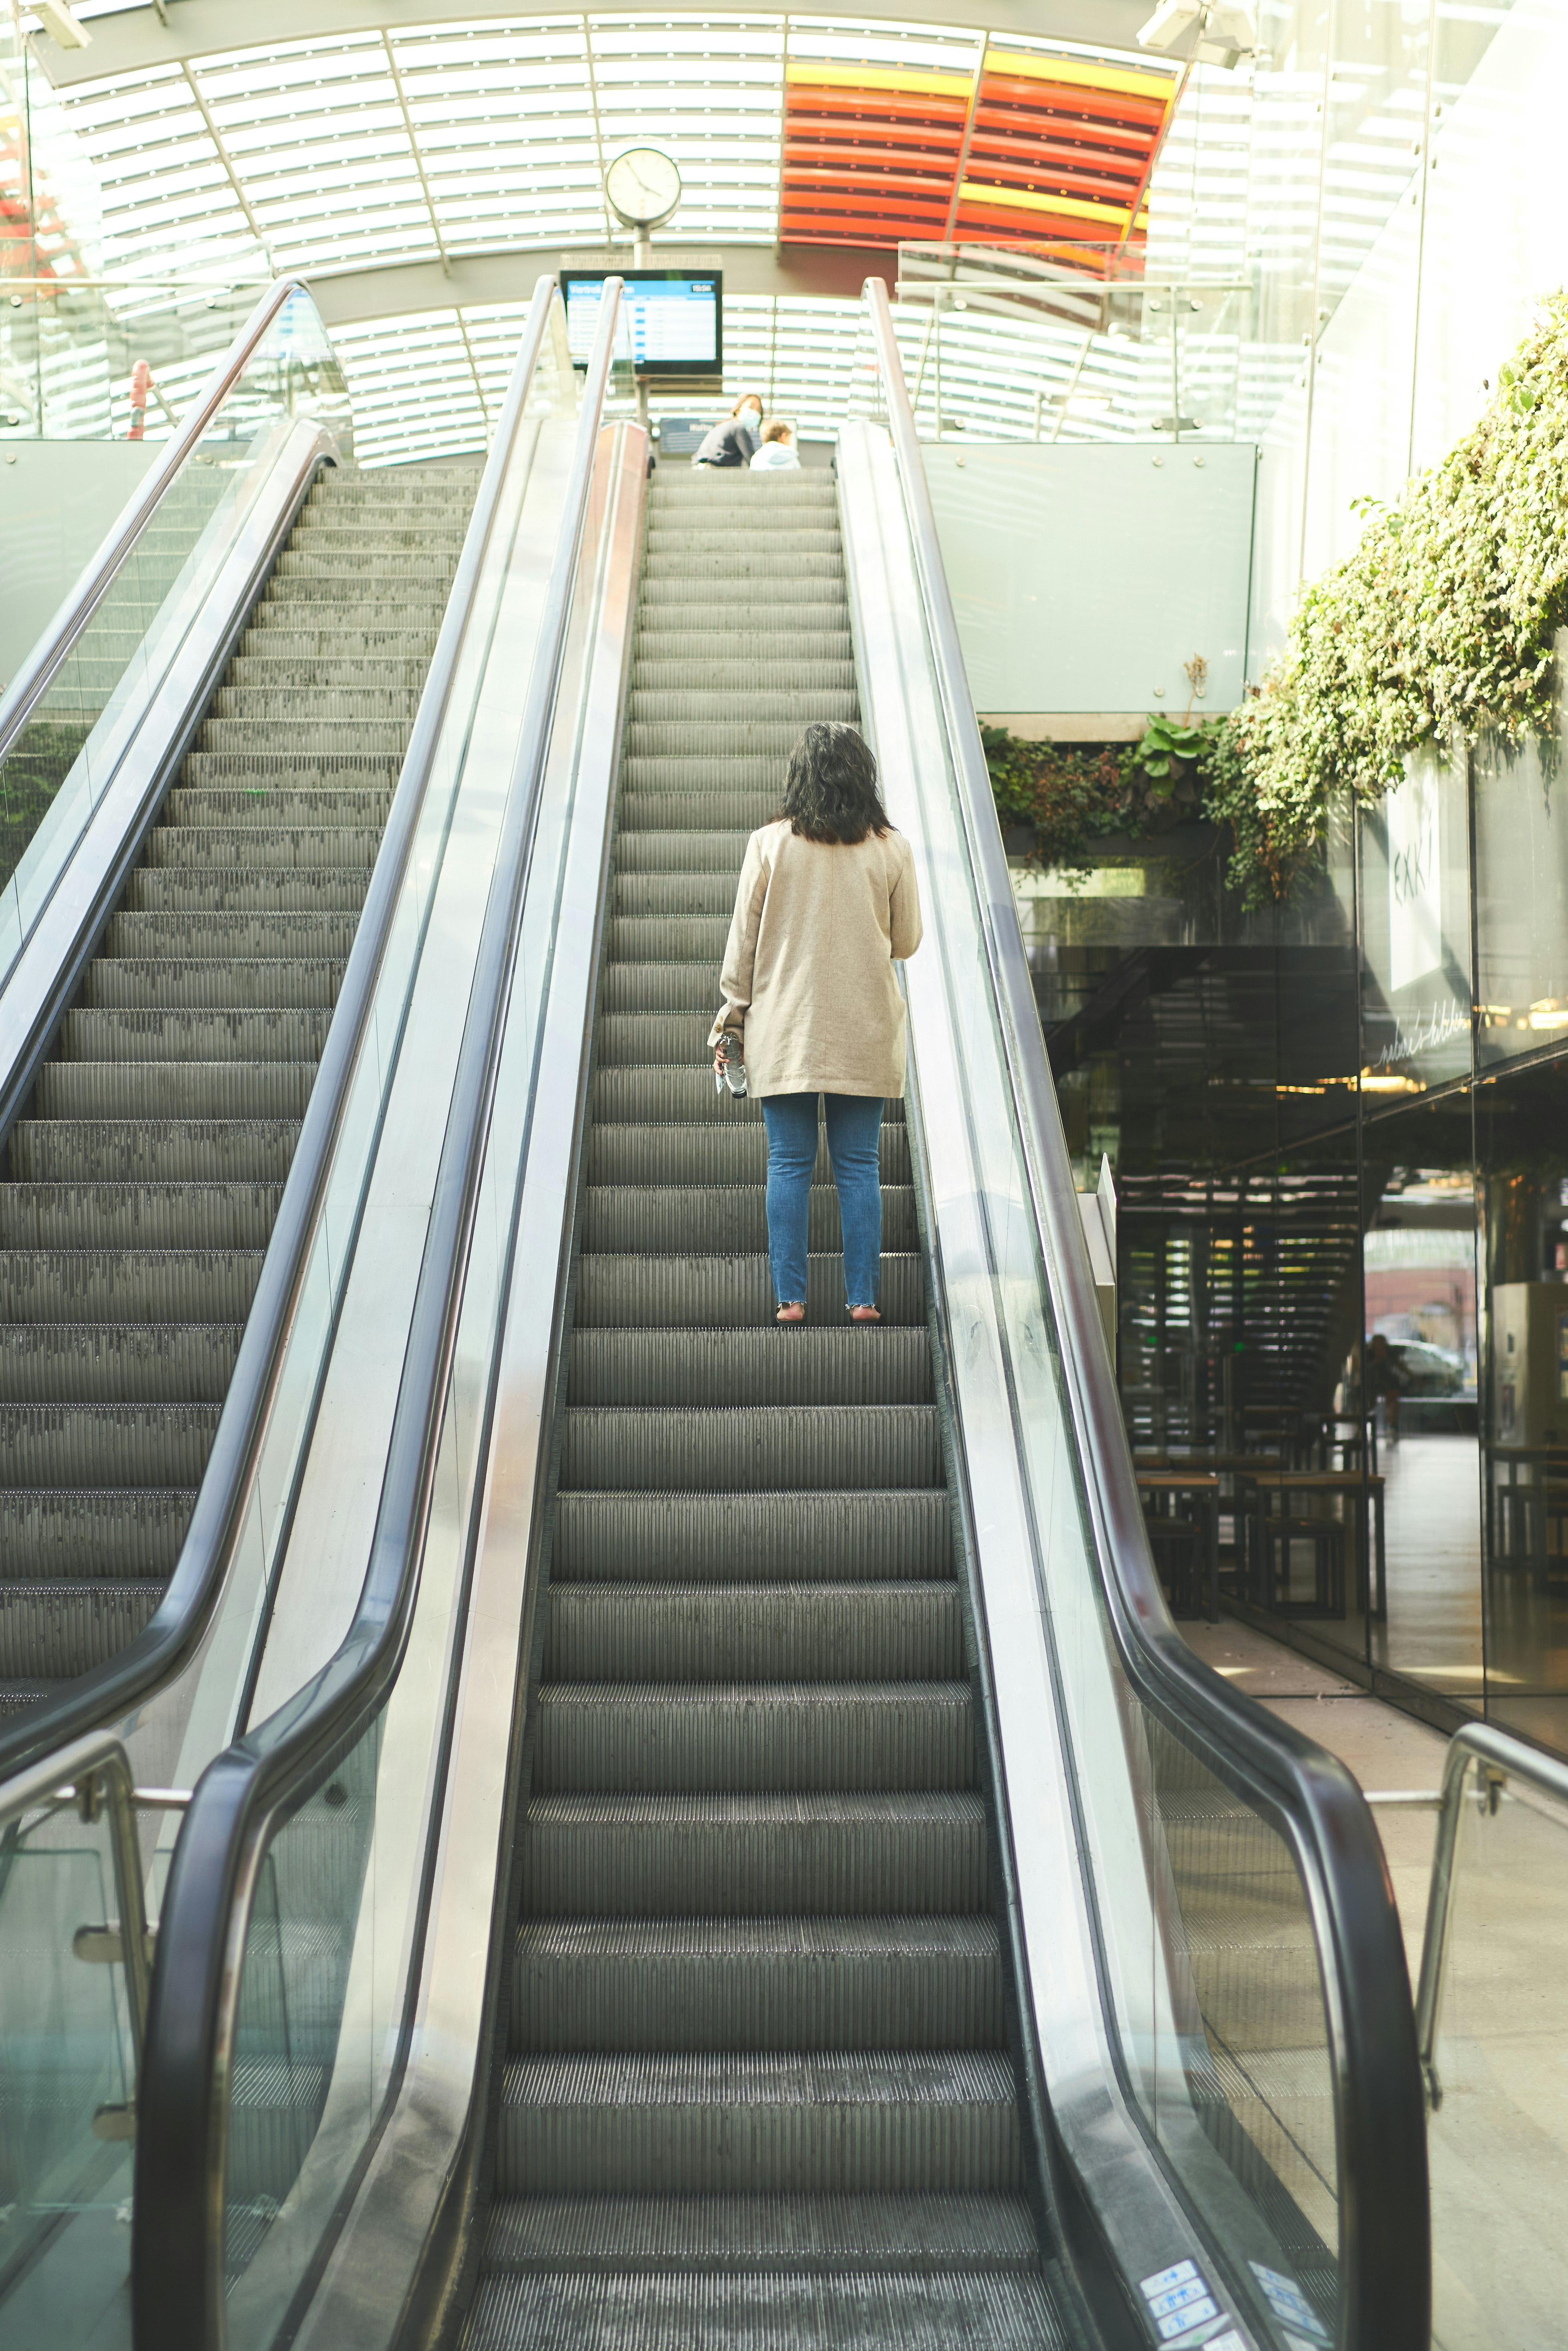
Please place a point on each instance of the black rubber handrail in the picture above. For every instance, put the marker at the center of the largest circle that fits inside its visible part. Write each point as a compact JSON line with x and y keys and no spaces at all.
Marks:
{"x":43,"y":664}
{"x":161,"y":1648}
{"x":177,"y":2253}
{"x":1307,"y":1794}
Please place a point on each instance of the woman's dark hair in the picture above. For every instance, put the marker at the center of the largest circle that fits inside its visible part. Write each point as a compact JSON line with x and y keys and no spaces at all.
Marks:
{"x":829,"y":793}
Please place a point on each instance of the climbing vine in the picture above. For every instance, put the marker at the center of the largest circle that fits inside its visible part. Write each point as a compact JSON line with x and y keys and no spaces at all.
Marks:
{"x":1442,"y":623}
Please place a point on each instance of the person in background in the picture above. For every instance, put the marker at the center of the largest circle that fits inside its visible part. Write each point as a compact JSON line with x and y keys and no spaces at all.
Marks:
{"x":735,"y":441}
{"x":777,"y":452}
{"x":826,"y":907}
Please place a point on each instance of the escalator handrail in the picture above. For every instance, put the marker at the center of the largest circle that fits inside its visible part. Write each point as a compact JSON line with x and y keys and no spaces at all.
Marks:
{"x":1310,"y":1797}
{"x":41,"y":666}
{"x":218,"y":1522}
{"x":177,"y":2255}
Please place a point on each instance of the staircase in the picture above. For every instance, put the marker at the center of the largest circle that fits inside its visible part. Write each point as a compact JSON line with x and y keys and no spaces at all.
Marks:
{"x":757,"y":2087}
{"x":142,"y":1186}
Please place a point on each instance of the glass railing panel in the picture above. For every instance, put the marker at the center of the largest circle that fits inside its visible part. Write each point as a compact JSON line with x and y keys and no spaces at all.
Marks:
{"x":1497,"y":2134}
{"x":77,"y":734}
{"x":334,"y":1942}
{"x":66,"y":2071}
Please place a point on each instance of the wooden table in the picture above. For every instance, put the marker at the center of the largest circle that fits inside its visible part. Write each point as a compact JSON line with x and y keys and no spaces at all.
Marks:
{"x":1203,"y":1485}
{"x":1366,"y":1494}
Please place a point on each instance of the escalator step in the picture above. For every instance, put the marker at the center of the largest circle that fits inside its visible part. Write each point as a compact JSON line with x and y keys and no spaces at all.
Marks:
{"x":787,"y":2235}
{"x":731,"y":1855}
{"x":728,"y":2122}
{"x":756,"y":1984}
{"x":684,"y":1736}
{"x":153,"y":1151}
{"x":734,"y":1153}
{"x":756,"y":1448}
{"x":754,"y":1632}
{"x":727,"y":1292}
{"x":765,"y":1533}
{"x":138,"y":1362}
{"x":125,"y":1531}
{"x":152,"y":1215}
{"x":58,"y":1630}
{"x":44,"y":1444}
{"x":747,"y":1367}
{"x":128,"y":1285}
{"x":171,"y":1089}
{"x":841,"y":2309}
{"x":124,"y":983}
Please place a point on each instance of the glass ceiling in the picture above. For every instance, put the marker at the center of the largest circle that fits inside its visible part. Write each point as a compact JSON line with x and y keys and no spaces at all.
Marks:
{"x":425,"y":143}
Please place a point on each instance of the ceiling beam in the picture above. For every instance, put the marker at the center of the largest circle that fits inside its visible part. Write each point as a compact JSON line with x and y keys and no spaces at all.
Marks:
{"x":403,"y":288}
{"x":188,"y":30}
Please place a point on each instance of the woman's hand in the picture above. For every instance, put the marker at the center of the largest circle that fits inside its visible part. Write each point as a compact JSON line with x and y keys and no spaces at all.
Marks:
{"x":719,"y":1059}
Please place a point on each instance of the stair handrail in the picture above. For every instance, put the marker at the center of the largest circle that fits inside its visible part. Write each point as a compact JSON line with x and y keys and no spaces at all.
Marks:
{"x":1311,"y":1799}
{"x":133,"y":1675}
{"x":43,"y":664}
{"x":178,"y":2290}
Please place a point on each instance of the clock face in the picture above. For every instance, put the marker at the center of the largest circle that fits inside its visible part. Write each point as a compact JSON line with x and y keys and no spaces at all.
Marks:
{"x":644,"y":186}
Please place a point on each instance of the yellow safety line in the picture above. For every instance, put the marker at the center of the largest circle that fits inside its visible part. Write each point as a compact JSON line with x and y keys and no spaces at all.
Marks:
{"x":941,"y":85}
{"x":1024,"y":200}
{"x":1061,"y":69}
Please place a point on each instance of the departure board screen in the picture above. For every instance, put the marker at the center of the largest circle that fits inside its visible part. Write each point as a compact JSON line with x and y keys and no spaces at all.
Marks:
{"x":673,"y":318}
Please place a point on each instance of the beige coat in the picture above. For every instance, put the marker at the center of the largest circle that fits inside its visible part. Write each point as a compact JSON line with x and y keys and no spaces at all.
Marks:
{"x":808,"y":981}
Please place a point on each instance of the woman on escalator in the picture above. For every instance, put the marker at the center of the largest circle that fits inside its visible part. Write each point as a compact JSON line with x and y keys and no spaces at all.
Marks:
{"x":827,"y":904}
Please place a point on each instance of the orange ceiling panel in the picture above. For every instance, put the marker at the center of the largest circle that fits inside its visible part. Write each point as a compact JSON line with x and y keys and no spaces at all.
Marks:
{"x":1030,"y":149}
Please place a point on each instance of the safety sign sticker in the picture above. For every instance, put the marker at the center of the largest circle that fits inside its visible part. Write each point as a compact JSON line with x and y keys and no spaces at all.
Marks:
{"x":1289,"y":2305}
{"x":1180,"y":2300}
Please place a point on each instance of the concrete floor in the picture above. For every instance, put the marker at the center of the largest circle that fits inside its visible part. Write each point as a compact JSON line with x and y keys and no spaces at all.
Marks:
{"x":1498,"y":2142}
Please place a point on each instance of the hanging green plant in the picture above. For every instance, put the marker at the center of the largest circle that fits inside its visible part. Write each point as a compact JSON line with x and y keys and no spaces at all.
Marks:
{"x":1442,"y":623}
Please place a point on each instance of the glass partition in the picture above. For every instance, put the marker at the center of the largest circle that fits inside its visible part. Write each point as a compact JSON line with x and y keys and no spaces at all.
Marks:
{"x":1497,"y":2134}
{"x":57,"y":767}
{"x":334,"y":1936}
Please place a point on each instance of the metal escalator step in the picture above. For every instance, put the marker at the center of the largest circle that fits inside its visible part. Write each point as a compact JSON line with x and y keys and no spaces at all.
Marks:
{"x":655,"y":673}
{"x":58,"y":1630}
{"x":153,"y":1151}
{"x":729,"y":739}
{"x":737,"y":556}
{"x":274,"y":768}
{"x":692,"y":707}
{"x":753,"y":1632}
{"x":51,"y":1445}
{"x":767,"y":599}
{"x":300,"y":938}
{"x":128,"y":1285}
{"x":661,"y":638}
{"x":734,"y":2122}
{"x":830,"y":2310}
{"x":255,"y":807}
{"x":674,"y":1736}
{"x":172,"y":982}
{"x":128,"y":1531}
{"x":660,"y":988}
{"x":346,"y":736}
{"x":709,"y":2236}
{"x":193,"y":890}
{"x":337,"y":848}
{"x":602,"y":1533}
{"x":279,"y":1032}
{"x":734,"y":1367}
{"x":786,"y":532}
{"x":670,"y":938}
{"x":275,"y":662}
{"x":282,"y":700}
{"x":685,"y":851}
{"x":730,"y":1292}
{"x":725,"y":1854}
{"x":151,"y":1216}
{"x":755,"y":1983}
{"x":169,"y":1090}
{"x":656,"y":811}
{"x":675,"y":1153}
{"x":652,"y":1218}
{"x":694,"y":774}
{"x":661,"y":1095}
{"x":623,"y":1038}
{"x":142,"y":1362}
{"x":755,"y":1447}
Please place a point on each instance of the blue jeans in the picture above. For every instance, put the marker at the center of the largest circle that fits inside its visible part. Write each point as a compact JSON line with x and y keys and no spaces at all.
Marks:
{"x":854,"y":1123}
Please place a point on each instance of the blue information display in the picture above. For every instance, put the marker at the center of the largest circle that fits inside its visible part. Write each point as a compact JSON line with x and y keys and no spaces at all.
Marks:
{"x":673,"y":318}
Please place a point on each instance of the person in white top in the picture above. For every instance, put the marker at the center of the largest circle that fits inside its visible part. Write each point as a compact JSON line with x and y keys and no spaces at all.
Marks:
{"x":778,"y":450}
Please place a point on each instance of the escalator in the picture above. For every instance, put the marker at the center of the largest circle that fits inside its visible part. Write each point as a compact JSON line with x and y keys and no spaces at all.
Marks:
{"x":144,"y":1178}
{"x":757,"y":2042}
{"x":705,"y":1831}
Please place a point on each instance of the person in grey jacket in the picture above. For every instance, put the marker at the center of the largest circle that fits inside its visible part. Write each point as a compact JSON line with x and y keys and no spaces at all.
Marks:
{"x":735,"y":441}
